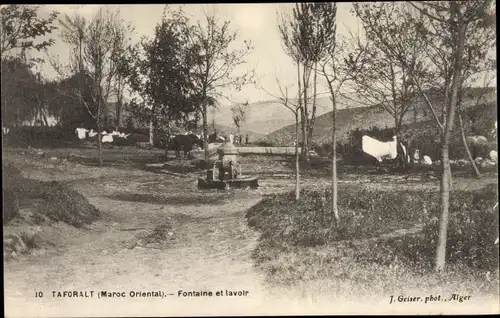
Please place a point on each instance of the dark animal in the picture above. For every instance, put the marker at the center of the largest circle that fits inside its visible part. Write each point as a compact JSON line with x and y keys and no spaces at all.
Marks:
{"x":186,"y":143}
{"x":212,"y":138}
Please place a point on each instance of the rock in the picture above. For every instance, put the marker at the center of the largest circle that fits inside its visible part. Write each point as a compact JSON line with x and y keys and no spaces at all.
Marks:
{"x":53,"y":158}
{"x":170,"y":233}
{"x":40,"y":153}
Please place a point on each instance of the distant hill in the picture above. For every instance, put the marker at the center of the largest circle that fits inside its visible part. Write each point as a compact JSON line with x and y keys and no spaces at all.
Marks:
{"x":265,"y":117}
{"x":366,"y":117}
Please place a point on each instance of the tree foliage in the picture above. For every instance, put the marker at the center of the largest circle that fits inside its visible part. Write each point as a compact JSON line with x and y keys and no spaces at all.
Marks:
{"x":216,"y":63}
{"x":21,"y":26}
{"x":239,"y":114}
{"x":162,"y":75}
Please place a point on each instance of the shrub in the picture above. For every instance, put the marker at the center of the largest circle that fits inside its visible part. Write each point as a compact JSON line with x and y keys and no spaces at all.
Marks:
{"x":40,"y":137}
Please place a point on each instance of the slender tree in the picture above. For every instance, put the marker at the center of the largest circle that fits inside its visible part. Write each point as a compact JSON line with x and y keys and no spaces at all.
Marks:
{"x":284,"y":100}
{"x":340,"y":61}
{"x":446,"y":28}
{"x":99,"y":64}
{"x":385,"y":81}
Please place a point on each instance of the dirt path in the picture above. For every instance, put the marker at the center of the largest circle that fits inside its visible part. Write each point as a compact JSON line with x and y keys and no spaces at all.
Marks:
{"x":158,"y":232}
{"x":195,"y":247}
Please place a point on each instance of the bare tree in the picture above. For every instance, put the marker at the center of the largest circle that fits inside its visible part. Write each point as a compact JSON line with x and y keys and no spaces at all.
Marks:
{"x":340,"y":61}
{"x":239,"y":114}
{"x":100,"y":42}
{"x":295,"y":109}
{"x":385,"y":81}
{"x":446,"y":27}
{"x":217,"y":63}
{"x":302,"y":39}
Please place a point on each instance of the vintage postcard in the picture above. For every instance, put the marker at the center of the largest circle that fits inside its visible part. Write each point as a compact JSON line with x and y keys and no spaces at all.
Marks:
{"x":250,"y":159}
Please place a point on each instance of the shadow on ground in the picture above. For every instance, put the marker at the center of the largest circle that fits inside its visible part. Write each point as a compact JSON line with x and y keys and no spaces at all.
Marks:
{"x":195,"y":199}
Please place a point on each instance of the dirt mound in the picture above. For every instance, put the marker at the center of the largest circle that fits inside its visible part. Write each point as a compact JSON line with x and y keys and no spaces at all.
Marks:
{"x":45,"y":200}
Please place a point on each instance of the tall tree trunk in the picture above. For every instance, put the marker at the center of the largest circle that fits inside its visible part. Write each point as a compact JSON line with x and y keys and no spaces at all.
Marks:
{"x":119,"y":101}
{"x":151,"y":125}
{"x":414,"y":113}
{"x":305,"y":119}
{"x":99,"y":136}
{"x":464,"y":140}
{"x":118,"y":114}
{"x":335,"y":209}
{"x":297,"y":157}
{"x":446,"y":176}
{"x":401,"y":156}
{"x":300,"y":108}
{"x":313,"y":113}
{"x":205,"y":127}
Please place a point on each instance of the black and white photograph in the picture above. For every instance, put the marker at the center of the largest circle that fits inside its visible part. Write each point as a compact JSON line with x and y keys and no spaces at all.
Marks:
{"x":223,"y":159}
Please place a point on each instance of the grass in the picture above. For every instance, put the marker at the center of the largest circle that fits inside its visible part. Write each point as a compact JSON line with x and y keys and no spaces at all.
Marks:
{"x":300,"y":243}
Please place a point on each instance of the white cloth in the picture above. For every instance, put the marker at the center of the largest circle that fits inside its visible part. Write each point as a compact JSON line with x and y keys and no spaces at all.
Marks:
{"x":81,"y":132}
{"x":427,"y":160}
{"x":107,"y":138}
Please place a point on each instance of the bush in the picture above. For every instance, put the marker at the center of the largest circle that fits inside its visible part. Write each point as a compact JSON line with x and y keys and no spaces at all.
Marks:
{"x":40,"y":137}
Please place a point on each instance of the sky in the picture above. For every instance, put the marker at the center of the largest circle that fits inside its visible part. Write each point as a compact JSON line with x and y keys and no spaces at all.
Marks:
{"x":254,"y":22}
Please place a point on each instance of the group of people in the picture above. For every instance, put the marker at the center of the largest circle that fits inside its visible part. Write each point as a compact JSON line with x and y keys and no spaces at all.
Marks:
{"x":237,"y":139}
{"x":232,"y":138}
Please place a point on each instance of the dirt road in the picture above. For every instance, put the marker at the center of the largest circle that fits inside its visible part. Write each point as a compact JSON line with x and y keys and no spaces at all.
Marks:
{"x":157,"y":233}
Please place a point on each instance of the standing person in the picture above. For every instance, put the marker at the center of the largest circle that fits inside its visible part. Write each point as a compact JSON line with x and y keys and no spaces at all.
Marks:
{"x":231,"y":138}
{"x":246,"y":139}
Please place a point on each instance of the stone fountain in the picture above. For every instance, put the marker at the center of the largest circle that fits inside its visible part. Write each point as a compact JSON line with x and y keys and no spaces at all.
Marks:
{"x":226,"y":172}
